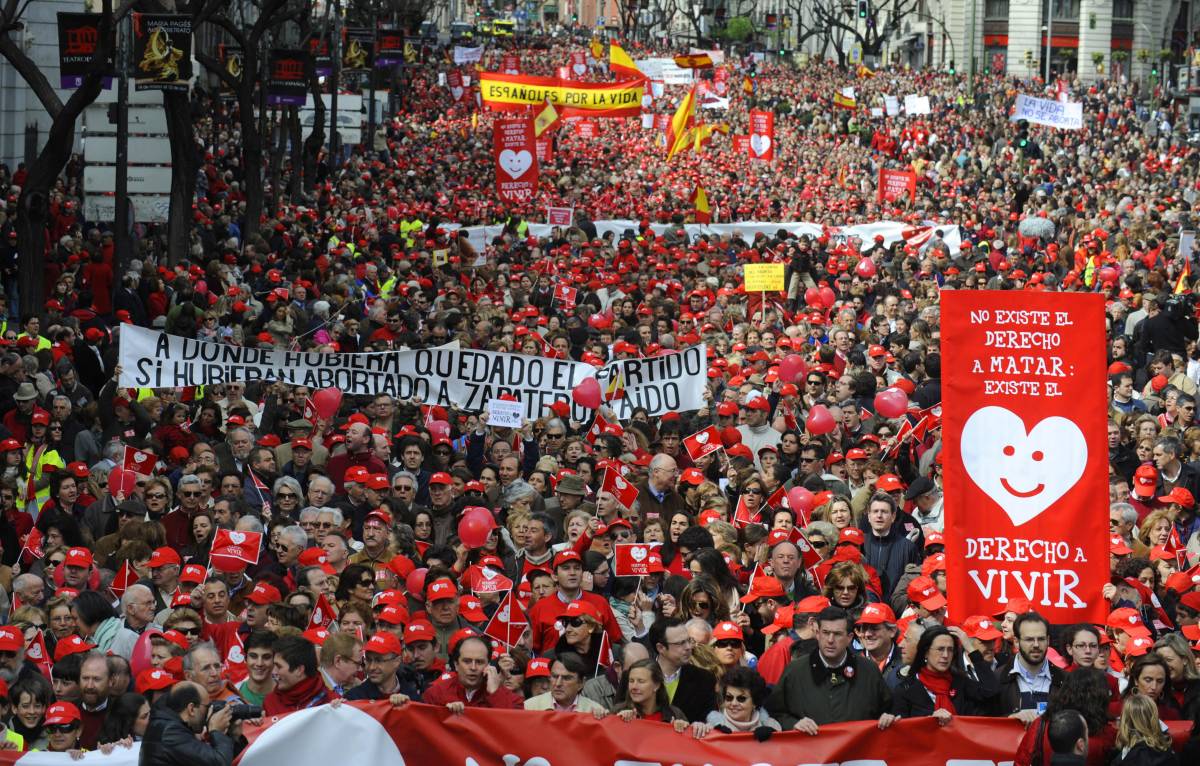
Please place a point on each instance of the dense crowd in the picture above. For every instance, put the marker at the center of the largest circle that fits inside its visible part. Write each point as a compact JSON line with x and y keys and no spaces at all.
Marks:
{"x":755,"y":616}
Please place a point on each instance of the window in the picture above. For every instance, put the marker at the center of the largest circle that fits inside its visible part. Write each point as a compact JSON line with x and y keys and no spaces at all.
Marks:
{"x":1066,"y":10}
{"x":1122,"y":9}
{"x":996,"y":9}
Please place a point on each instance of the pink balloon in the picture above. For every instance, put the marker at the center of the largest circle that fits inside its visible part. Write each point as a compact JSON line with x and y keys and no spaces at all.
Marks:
{"x":891,"y":402}
{"x":327,"y":402}
{"x":819,"y":420}
{"x":473,"y":529}
{"x":121,"y":482}
{"x":865,"y":268}
{"x":792,"y":368}
{"x":828,"y":297}
{"x":587,"y":393}
{"x":800,"y":499}
{"x":139,"y":660}
{"x":415,"y":582}
{"x":439,"y":428}
{"x":812,"y":297}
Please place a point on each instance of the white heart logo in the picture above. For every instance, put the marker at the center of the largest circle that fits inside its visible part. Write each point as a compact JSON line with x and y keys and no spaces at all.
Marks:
{"x":702,"y":437}
{"x":139,"y":457}
{"x":235,"y":655}
{"x":237,"y":538}
{"x":638,"y":553}
{"x":579,"y":68}
{"x":502,"y":615}
{"x":1024,"y":473}
{"x":457,"y":93}
{"x":489,"y":574}
{"x":34,"y":651}
{"x":760,"y":144}
{"x":619,"y":482}
{"x":317,"y":616}
{"x":515,"y":163}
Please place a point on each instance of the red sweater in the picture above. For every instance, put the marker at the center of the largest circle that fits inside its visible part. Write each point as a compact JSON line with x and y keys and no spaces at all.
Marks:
{"x":545,"y":614}
{"x":447,"y":690}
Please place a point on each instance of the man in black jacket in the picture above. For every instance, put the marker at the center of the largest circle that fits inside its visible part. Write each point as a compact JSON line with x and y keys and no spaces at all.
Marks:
{"x":691,"y":689}
{"x":171,"y":735}
{"x":1028,"y":679}
{"x":387,"y":675}
{"x":887,"y":547}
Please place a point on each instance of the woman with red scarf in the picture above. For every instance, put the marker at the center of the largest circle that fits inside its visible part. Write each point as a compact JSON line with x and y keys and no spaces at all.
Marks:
{"x":938,"y":684}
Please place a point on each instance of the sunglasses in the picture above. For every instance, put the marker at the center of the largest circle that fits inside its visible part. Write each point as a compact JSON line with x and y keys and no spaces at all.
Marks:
{"x":191,"y":494}
{"x":737,"y":697}
{"x":702,"y":604}
{"x":286,"y":495}
{"x":62,"y":728}
{"x":752,"y":491}
{"x":574,"y":622}
{"x":188,"y":630}
{"x":156,"y":495}
{"x":728,"y":643}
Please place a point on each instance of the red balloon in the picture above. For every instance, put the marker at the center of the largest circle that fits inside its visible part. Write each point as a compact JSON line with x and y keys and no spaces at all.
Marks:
{"x":121,"y":482}
{"x":792,"y":368}
{"x":812,"y":297}
{"x":828,"y":297}
{"x":474,"y":528}
{"x":800,"y":499}
{"x":587,"y":393}
{"x":1108,"y":274}
{"x":327,"y":402}
{"x":865,"y":268}
{"x":891,"y":402}
{"x":415,"y":582}
{"x":819,"y":420}
{"x":439,"y":428}
{"x":139,"y":660}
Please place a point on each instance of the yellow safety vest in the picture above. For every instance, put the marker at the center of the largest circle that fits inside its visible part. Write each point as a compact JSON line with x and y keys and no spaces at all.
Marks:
{"x":35,"y":474}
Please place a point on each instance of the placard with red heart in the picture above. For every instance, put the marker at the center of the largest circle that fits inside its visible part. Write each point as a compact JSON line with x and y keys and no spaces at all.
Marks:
{"x":1025,"y":453}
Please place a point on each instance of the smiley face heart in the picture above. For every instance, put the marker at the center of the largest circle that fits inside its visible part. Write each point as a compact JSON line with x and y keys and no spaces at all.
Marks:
{"x":702,"y":437}
{"x":237,"y":538}
{"x":1023,"y":472}
{"x":760,"y":144}
{"x":457,"y":93}
{"x":637,"y":554}
{"x":515,"y":163}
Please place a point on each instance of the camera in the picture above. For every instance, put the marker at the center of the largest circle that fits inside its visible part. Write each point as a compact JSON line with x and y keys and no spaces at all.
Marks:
{"x":237,"y":712}
{"x":1180,"y":306}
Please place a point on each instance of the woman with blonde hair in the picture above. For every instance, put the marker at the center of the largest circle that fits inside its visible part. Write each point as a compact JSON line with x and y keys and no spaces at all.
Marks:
{"x":839,"y":512}
{"x":1141,"y":739}
{"x":702,"y":598}
{"x":1155,"y":529}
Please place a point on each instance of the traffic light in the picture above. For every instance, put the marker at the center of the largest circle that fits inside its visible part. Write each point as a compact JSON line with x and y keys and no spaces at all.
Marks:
{"x":1154,"y":70}
{"x":864,"y":8}
{"x":951,"y":66}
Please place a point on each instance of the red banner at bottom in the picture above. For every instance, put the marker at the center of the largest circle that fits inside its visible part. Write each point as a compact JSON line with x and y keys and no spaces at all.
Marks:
{"x":422,"y":734}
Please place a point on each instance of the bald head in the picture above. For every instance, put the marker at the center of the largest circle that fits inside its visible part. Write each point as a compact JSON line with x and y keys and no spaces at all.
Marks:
{"x":663,"y":470}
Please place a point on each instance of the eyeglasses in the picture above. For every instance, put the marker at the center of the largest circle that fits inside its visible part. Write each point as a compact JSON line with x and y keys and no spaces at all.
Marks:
{"x":554,"y":436}
{"x":737,"y":697}
{"x":62,"y":728}
{"x":705,"y":604}
{"x":1092,"y":646}
{"x":728,"y":643}
{"x":752,"y":491}
{"x":844,"y":588}
{"x":818,"y":544}
{"x":368,"y":582}
{"x":55,"y":562}
{"x":404,"y":488}
{"x":689,"y":641}
{"x":191,"y":494}
{"x":623,"y":534}
{"x":155,"y":496}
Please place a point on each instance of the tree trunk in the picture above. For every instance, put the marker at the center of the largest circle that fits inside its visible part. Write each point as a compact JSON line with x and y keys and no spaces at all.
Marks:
{"x":295,"y":155}
{"x":185,"y":163}
{"x":252,"y":151}
{"x":279,"y":133}
{"x":316,"y":139}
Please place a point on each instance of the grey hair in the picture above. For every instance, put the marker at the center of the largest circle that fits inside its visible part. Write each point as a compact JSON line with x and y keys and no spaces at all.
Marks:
{"x":249,"y":524}
{"x":318,"y":477}
{"x":130,"y":591}
{"x":310,"y":513}
{"x":189,"y":657}
{"x":700,"y":624}
{"x":406,"y":475}
{"x":297,"y":535}
{"x":336,"y":513}
{"x":286,"y":481}
{"x":519,"y":490}
{"x":190,"y":478}
{"x":1129,"y":514}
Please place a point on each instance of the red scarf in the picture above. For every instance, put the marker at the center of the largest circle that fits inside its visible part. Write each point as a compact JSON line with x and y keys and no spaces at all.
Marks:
{"x":938,"y":685}
{"x":306,"y":694}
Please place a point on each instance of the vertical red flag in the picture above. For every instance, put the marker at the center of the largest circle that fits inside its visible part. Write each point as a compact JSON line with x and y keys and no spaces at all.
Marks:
{"x":322,"y":614}
{"x":579,"y":63}
{"x":510,"y":63}
{"x":454,"y":82}
{"x":36,"y":652}
{"x":515,"y":153}
{"x":124,"y":578}
{"x":762,"y":135}
{"x":508,"y":622}
{"x":1026,"y":460}
{"x":894,"y":184}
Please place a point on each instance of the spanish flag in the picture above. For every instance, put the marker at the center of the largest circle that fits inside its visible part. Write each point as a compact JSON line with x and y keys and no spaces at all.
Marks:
{"x":616,"y":387}
{"x":845,"y":99}
{"x":544,"y":120}
{"x":1181,"y":282}
{"x":678,"y":134}
{"x":597,"y":49}
{"x":620,"y":63}
{"x":703,"y":212}
{"x":702,"y":134}
{"x":864,"y":71}
{"x":694,"y":61}
{"x":748,"y":86}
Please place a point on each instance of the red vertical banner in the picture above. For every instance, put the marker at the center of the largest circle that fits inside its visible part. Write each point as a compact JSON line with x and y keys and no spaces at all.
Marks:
{"x":740,"y":144}
{"x":894,"y":184}
{"x":545,"y":148}
{"x":762,"y":135}
{"x":515,"y":152}
{"x":454,"y":81}
{"x":510,"y":63}
{"x":579,"y":63}
{"x":1026,"y":458}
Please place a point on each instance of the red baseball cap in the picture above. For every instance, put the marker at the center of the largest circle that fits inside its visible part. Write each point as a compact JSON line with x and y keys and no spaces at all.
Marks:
{"x":356,"y":474}
{"x":440,"y":590}
{"x":193,"y":574}
{"x":153,"y":679}
{"x":764,"y":586}
{"x":264,"y":593}
{"x":61,"y":713}
{"x":727,"y":630}
{"x":164,"y":556}
{"x":877,"y":614}
{"x":419,"y":630}
{"x":564,"y":556}
{"x":11,"y":639}
{"x":78,"y":557}
{"x":889,"y":482}
{"x":852,"y":535}
{"x":693,"y":476}
{"x":71,"y":645}
{"x":441,"y":477}
{"x":538,"y":667}
{"x":384,"y":642}
{"x":981,"y":627}
{"x":1145,"y":482}
{"x":1178,"y":496}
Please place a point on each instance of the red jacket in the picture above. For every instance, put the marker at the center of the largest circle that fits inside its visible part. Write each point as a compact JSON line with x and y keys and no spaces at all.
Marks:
{"x":546,"y":612}
{"x":447,"y":690}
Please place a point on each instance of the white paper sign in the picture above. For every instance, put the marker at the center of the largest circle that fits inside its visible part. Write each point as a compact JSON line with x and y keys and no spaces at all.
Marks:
{"x":504,"y":414}
{"x":467,"y":55}
{"x":1187,"y":243}
{"x":892,"y":104}
{"x":914,"y":104}
{"x":876,"y":111}
{"x":1054,"y":114}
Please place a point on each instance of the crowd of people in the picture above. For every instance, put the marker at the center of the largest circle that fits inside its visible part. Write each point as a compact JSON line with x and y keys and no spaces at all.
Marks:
{"x":125,"y":618}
